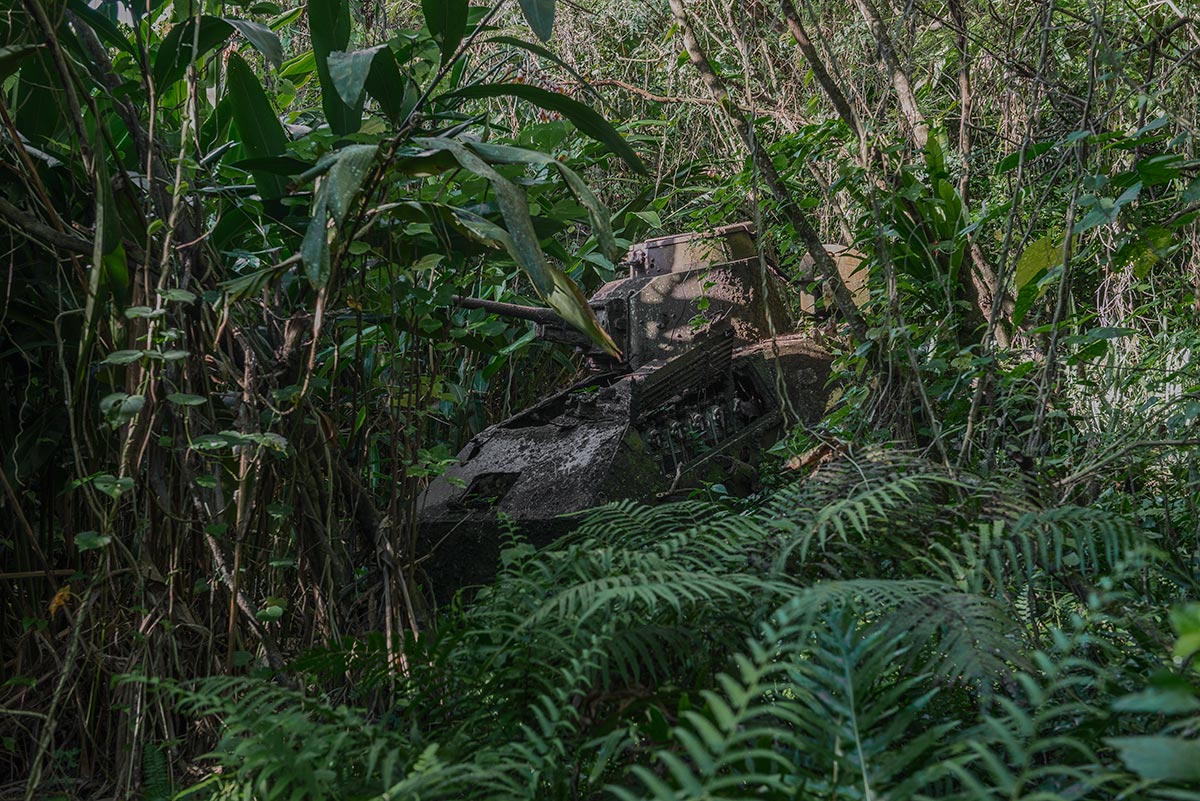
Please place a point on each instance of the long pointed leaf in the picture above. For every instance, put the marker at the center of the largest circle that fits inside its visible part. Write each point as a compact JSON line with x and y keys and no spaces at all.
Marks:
{"x":540,"y":16}
{"x":329,"y":27}
{"x":585,"y":118}
{"x":601,"y":222}
{"x":447,"y":22}
{"x":261,"y":132}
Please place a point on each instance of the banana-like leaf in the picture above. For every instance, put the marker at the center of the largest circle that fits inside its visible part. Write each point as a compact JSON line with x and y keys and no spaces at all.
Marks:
{"x":12,"y":56}
{"x":347,"y":170}
{"x":346,"y":177}
{"x":349,"y":72}
{"x":554,"y":287}
{"x":314,"y":248}
{"x":109,"y":275}
{"x":175,"y":52}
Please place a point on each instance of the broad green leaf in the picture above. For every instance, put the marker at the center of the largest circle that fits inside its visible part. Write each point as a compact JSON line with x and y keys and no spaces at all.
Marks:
{"x":269,"y":613}
{"x":262,"y":37}
{"x":1160,"y":758}
{"x":119,"y":408}
{"x":1185,"y":619}
{"x":261,"y":133}
{"x":1031,"y":292}
{"x":346,"y":177}
{"x":395,"y":93}
{"x":349,"y":72}
{"x":329,"y":28}
{"x":109,"y":273}
{"x":112,"y":486}
{"x":122,"y":357}
{"x":1191,"y":193}
{"x":559,"y":291}
{"x":183,"y":399}
{"x":1158,"y":170}
{"x":1039,"y":256}
{"x":269,"y":440}
{"x":314,"y":248}
{"x":1104,"y":210}
{"x":209,"y":442}
{"x":1010,"y":161}
{"x":178,"y":295}
{"x":12,"y":56}
{"x":104,"y":27}
{"x":935,"y":152}
{"x":144,"y":313}
{"x":649,"y":216}
{"x":585,"y":118}
{"x":175,"y":52}
{"x":39,"y":105}
{"x":540,"y":16}
{"x":447,"y":22}
{"x":299,"y":67}
{"x":1143,"y":252}
{"x":1168,"y":693}
{"x":91,"y":540}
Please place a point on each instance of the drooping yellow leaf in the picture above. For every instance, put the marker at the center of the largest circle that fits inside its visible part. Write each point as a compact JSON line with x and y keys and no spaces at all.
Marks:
{"x":60,"y":599}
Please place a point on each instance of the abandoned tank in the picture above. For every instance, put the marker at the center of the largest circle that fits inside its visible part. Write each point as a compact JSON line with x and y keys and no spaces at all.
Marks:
{"x":709,"y":372}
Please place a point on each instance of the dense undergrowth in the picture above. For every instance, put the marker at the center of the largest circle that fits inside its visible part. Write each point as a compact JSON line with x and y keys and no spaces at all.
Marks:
{"x":235,"y":239}
{"x":881,"y":629}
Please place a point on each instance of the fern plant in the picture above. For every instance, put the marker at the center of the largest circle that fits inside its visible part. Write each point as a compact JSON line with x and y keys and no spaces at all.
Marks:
{"x":883,"y":630}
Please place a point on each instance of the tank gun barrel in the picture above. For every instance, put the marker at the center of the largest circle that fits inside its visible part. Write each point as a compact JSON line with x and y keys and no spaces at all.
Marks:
{"x":536,"y":314}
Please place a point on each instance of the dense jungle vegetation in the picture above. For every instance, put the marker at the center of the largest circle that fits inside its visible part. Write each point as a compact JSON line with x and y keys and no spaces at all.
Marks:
{"x":231,"y":358}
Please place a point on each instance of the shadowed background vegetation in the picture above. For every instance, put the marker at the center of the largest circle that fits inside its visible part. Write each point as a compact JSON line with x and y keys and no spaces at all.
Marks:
{"x":231,"y":360}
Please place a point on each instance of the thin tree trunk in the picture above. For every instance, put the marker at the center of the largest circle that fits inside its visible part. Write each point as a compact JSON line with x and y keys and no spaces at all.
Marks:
{"x":832,"y":90}
{"x":981,"y":280}
{"x":795,"y":215}
{"x":900,"y":79}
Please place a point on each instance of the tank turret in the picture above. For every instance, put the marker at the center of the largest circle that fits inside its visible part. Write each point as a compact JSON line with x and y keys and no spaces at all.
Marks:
{"x":694,"y":400}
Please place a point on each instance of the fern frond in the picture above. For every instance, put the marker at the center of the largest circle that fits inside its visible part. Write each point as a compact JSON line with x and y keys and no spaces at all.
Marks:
{"x":1039,"y":545}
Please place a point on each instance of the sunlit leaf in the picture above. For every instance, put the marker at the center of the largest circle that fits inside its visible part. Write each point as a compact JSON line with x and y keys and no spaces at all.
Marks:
{"x":1038,"y":257}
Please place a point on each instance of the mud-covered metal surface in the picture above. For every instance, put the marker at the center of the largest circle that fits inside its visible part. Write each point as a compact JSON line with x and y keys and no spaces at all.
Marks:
{"x":695,"y":399}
